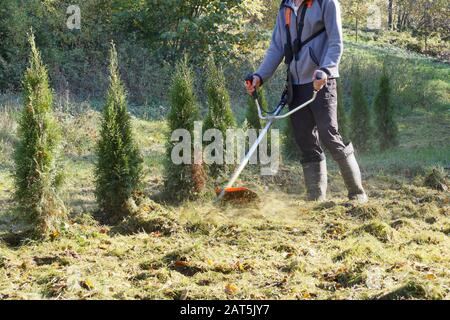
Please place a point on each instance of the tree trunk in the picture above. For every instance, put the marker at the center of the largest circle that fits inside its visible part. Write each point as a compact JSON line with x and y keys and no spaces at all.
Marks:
{"x":356,"y":30}
{"x":390,"y":14}
{"x":399,"y":20}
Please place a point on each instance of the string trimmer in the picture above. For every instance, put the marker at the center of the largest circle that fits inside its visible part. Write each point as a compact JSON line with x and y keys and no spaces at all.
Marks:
{"x":243,"y":194}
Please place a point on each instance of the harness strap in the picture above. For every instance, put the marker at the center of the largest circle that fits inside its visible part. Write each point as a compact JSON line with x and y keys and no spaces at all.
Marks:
{"x":300,"y":27}
{"x":313,"y":36}
{"x":289,"y":51}
{"x":287,"y":16}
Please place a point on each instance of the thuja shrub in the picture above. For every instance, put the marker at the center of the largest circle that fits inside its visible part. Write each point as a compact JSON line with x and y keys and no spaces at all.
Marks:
{"x":385,"y":115}
{"x":361,"y":122}
{"x":184,"y":181}
{"x":37,"y":172}
{"x":251,"y":115}
{"x":120,"y":165}
{"x":220,"y":116}
{"x":343,"y":124}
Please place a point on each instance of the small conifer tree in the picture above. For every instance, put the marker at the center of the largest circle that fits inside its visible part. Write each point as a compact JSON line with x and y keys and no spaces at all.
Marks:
{"x":120,"y":164}
{"x":37,"y":174}
{"x":183,"y":181}
{"x":252,"y":112}
{"x":252,"y":118}
{"x":220,"y":116}
{"x":291,"y":150}
{"x":361,"y":126}
{"x":342,"y":114}
{"x":385,"y":116}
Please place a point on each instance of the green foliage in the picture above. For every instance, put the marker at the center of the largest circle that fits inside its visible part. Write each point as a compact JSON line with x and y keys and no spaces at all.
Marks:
{"x":153,"y":34}
{"x":194,"y":27}
{"x":70,"y":53}
{"x":385,"y":115}
{"x":344,"y":127}
{"x":13,"y":47}
{"x":361,"y":126}
{"x":422,"y":84}
{"x":220,"y":116}
{"x":37,"y":176}
{"x":119,"y":166}
{"x":184,"y":181}
{"x":435,"y":44}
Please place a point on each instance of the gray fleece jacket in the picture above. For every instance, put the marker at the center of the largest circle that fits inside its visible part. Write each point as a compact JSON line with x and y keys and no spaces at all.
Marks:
{"x":324,"y":52}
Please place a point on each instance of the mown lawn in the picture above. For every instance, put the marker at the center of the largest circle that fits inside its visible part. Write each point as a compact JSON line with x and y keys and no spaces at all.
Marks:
{"x":395,"y":247}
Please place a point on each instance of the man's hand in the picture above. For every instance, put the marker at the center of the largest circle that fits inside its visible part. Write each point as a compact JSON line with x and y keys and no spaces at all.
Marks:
{"x":251,"y":87}
{"x":319,"y":84}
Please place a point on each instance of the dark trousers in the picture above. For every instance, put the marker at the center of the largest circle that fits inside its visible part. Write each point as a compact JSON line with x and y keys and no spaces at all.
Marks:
{"x":318,"y":123}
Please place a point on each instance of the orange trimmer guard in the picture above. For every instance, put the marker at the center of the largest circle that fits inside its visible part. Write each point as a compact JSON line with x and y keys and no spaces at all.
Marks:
{"x":238,"y":195}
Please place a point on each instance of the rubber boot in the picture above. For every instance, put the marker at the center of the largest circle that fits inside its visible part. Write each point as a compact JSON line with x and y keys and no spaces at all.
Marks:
{"x":316,"y":180}
{"x":352,"y":177}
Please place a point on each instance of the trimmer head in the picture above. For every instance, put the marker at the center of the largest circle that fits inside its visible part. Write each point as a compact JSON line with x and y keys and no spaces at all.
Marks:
{"x":239,"y":195}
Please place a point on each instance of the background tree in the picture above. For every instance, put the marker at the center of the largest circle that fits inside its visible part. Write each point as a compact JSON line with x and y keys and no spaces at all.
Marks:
{"x":252,"y":118}
{"x":356,"y":11}
{"x":119,"y":165}
{"x":153,"y":34}
{"x":184,"y":181}
{"x":37,"y":176}
{"x":290,"y":148}
{"x":361,"y":126}
{"x":385,"y":115}
{"x":220,"y":116}
{"x":390,"y":14}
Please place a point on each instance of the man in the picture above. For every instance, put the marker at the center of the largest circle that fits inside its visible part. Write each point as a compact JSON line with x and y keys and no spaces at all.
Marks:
{"x":313,"y":45}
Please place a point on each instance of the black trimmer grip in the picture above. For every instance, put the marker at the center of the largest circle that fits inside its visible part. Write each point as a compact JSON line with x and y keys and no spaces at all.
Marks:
{"x":320,"y":75}
{"x":249,"y":81}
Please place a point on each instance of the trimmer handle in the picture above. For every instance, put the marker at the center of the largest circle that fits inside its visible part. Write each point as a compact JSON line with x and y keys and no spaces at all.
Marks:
{"x":320,"y":75}
{"x":249,"y":82}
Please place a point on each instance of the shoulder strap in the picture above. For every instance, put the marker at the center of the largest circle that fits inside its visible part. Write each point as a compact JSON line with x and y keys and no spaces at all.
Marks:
{"x":288,"y":52}
{"x":292,"y":51}
{"x":302,"y":19}
{"x":301,"y":24}
{"x":298,"y":43}
{"x":287,"y":16}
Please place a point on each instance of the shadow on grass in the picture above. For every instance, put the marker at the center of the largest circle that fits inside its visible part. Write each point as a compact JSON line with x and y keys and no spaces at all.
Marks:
{"x":414,"y":290}
{"x":14,"y":232}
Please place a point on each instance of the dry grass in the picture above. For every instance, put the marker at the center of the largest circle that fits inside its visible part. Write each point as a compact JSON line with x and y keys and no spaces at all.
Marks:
{"x":395,"y":247}
{"x":286,"y":249}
